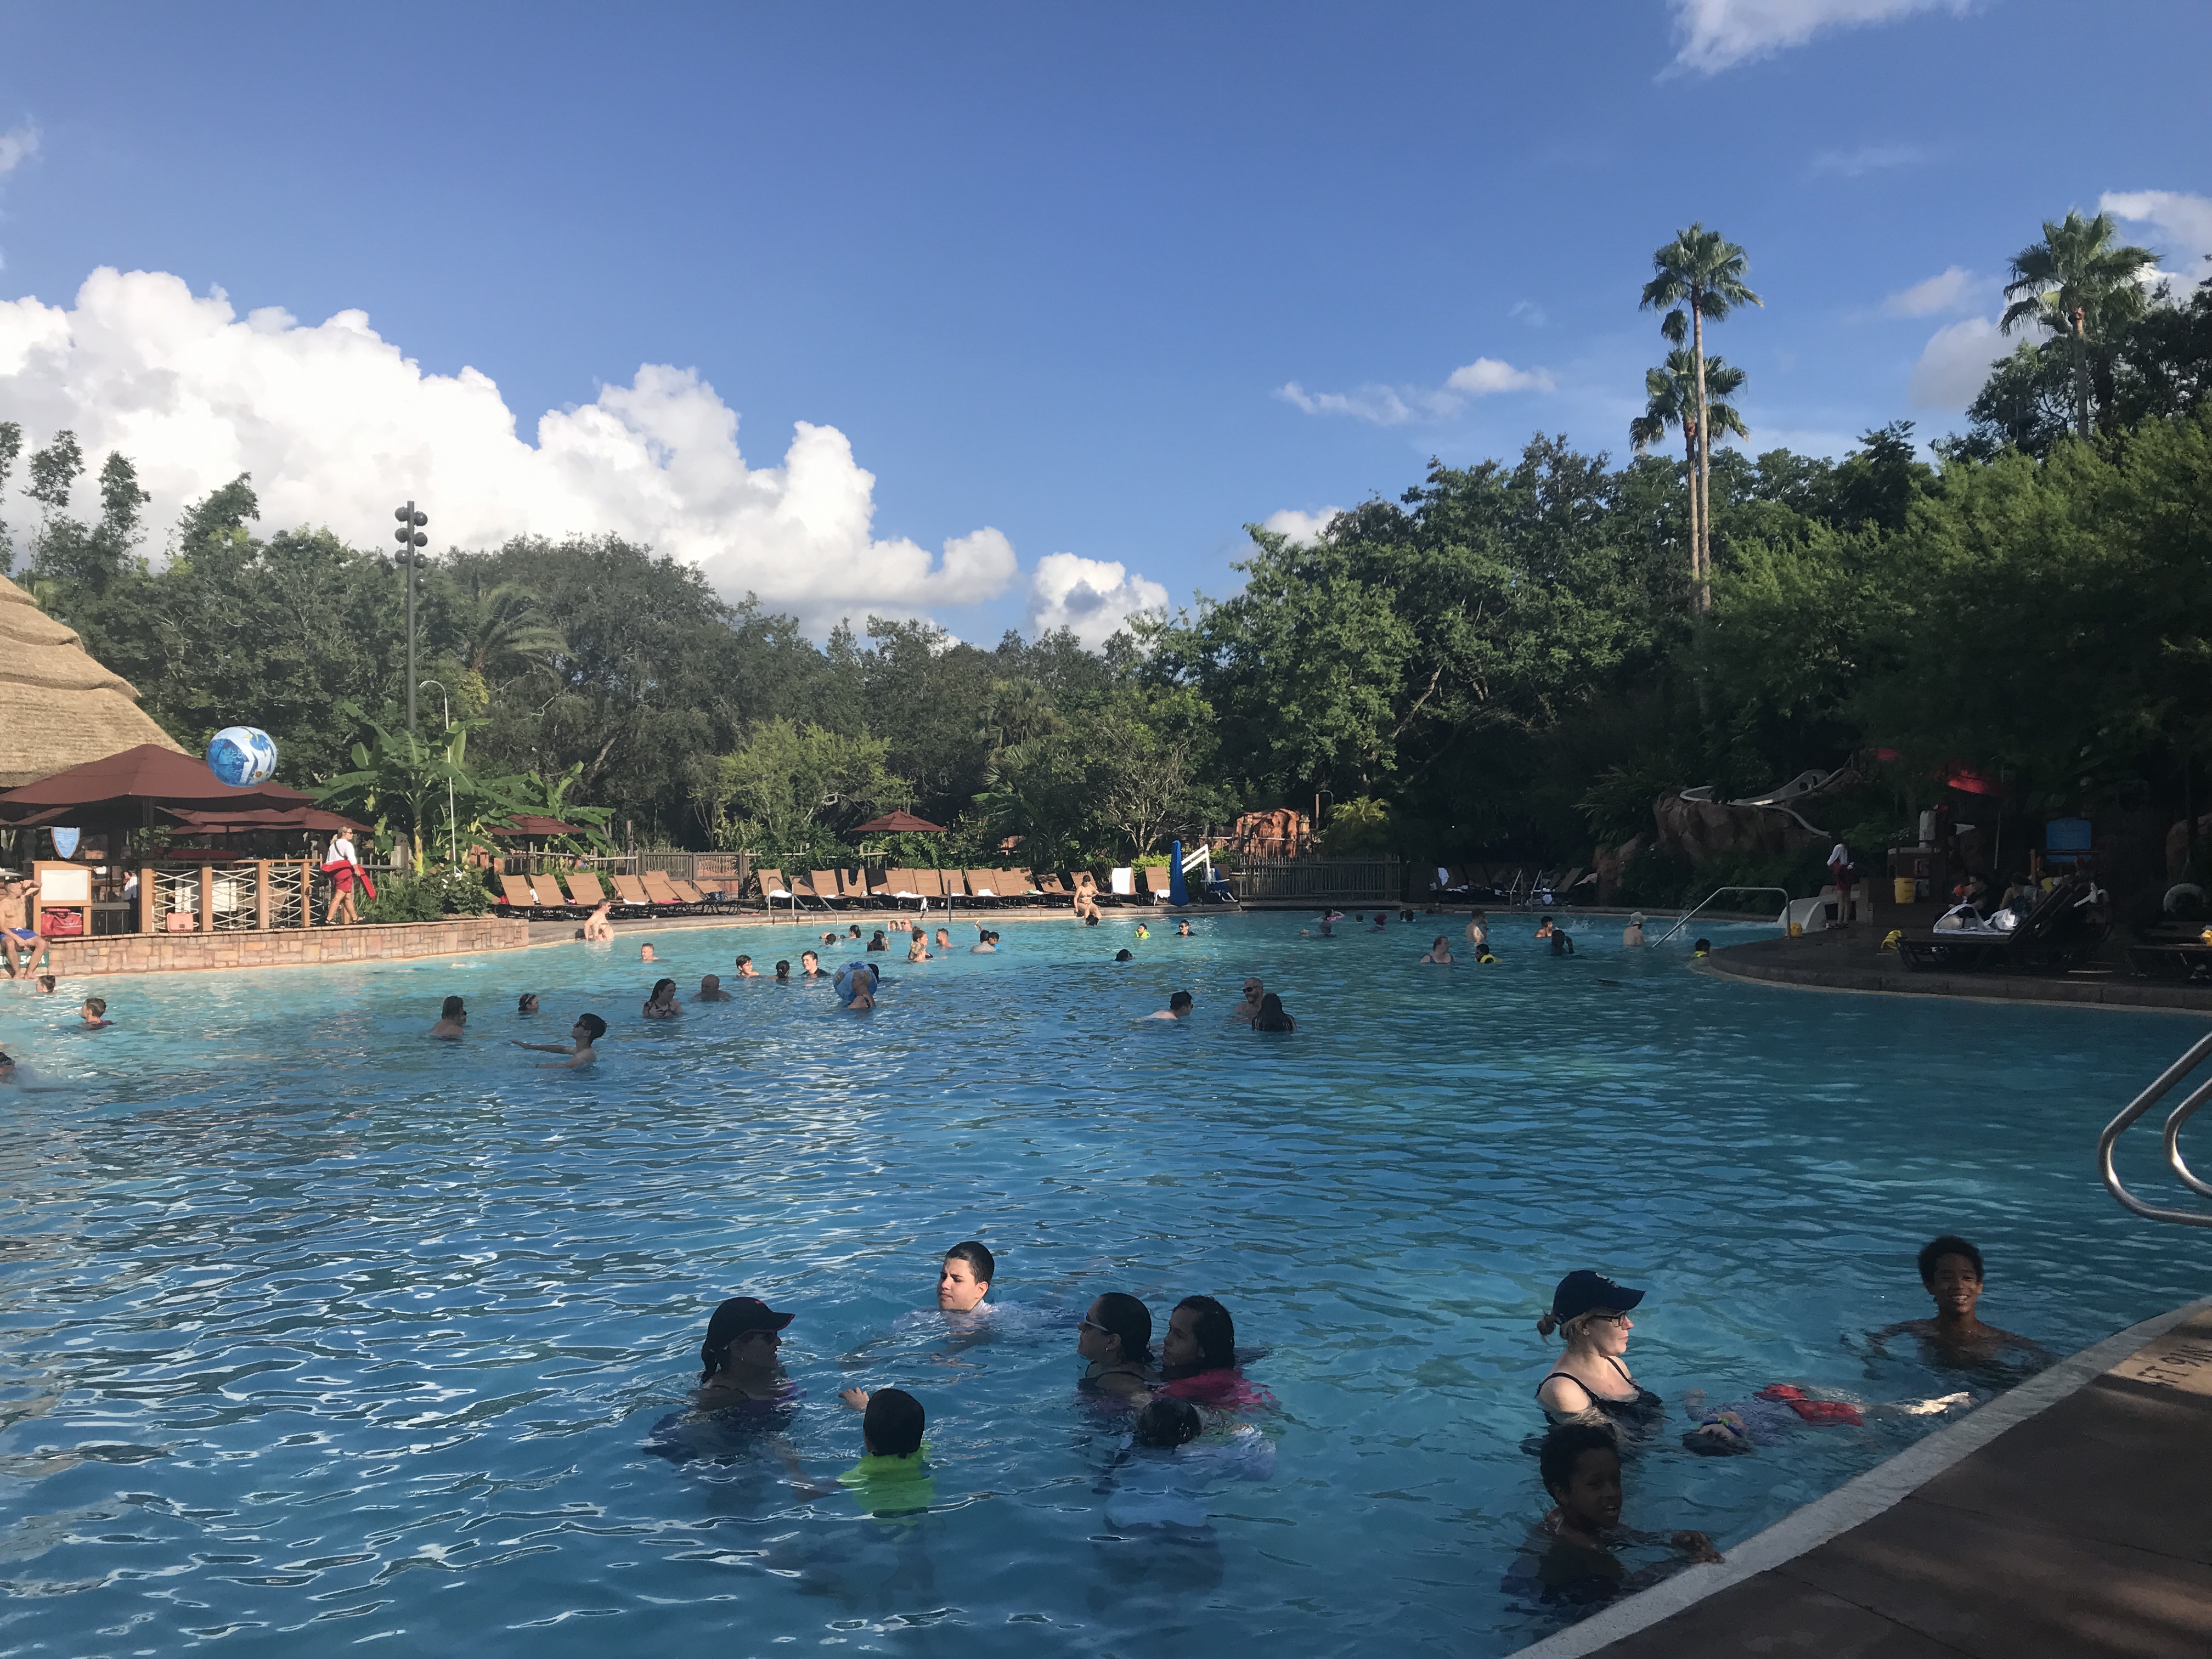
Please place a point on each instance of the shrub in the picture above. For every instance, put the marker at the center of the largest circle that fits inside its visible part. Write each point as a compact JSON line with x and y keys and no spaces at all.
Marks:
{"x":436,"y":893}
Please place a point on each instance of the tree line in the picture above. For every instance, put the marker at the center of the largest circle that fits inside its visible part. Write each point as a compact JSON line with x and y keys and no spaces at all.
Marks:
{"x":1512,"y":658}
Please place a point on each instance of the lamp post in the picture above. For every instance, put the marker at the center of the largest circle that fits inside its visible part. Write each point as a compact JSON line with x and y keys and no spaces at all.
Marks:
{"x":445,"y":708}
{"x":410,"y":536}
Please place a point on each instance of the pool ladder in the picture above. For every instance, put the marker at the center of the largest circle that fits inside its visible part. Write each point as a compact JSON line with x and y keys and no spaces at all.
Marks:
{"x":1686,"y":920}
{"x":2179,"y":1115}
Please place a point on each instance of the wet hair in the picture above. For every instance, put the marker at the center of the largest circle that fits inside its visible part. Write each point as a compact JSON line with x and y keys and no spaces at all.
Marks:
{"x":526,"y":1003}
{"x":817,"y":955}
{"x":1124,"y":956}
{"x":1950,"y":1244}
{"x":782,"y":969}
{"x":1544,"y":921}
{"x":892,"y":1424}
{"x":1168,"y":1423}
{"x":1271,"y":1016}
{"x":1090,"y":921}
{"x":742,"y":961}
{"x":710,"y":981}
{"x":1126,"y":1317}
{"x":1564,"y":1447}
{"x":1181,"y":1000}
{"x":1215,"y":1330}
{"x":725,"y":1327}
{"x":1440,"y":939}
{"x":1702,"y":945}
{"x":918,"y":933}
{"x":45,"y":982}
{"x":97,"y":1006}
{"x":452,"y":1005}
{"x":661,"y":985}
{"x":979,"y":1260}
{"x":593,"y":1023}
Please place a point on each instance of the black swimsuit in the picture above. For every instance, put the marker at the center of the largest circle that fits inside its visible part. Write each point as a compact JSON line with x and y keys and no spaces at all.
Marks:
{"x":1639,"y":1414}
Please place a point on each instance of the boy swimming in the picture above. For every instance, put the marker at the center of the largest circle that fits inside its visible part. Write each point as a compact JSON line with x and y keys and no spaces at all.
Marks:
{"x":1569,"y":1555}
{"x":965,"y":1278}
{"x":587,"y":1031}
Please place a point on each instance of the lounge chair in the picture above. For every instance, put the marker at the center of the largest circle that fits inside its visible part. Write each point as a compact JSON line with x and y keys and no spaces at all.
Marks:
{"x":666,"y":899}
{"x":983,"y":885}
{"x":772,"y":888}
{"x":2062,"y":932}
{"x":519,"y":898}
{"x":902,"y":887}
{"x":824,"y":885}
{"x":1021,"y":886}
{"x":692,"y":897}
{"x":585,"y":893}
{"x":2182,"y":959}
{"x":1052,"y":888}
{"x":1121,"y":883}
{"x":1158,"y":880}
{"x":632,"y":893}
{"x":853,"y":888}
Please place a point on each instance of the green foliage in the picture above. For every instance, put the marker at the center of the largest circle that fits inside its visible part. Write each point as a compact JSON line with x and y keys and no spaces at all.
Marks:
{"x":440,"y":891}
{"x":1359,"y":828}
{"x":403,"y":785}
{"x":795,"y":788}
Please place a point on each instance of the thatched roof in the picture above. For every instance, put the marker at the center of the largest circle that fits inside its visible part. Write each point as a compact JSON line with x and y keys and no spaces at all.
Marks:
{"x":58,"y":708}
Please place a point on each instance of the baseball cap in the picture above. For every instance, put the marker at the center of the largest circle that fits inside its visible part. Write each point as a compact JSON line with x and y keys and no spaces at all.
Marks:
{"x":741,"y":1314}
{"x":1583,"y":1290}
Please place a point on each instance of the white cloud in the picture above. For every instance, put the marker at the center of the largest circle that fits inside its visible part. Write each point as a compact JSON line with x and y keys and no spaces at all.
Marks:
{"x":1300,"y":527}
{"x":1529,"y":312}
{"x":1399,"y":405}
{"x":1955,"y":362}
{"x":1091,"y":595}
{"x":2184,"y":223}
{"x":1717,"y":34}
{"x":336,"y":425}
{"x":17,"y":146}
{"x":1949,"y":290}
{"x":1867,"y":158}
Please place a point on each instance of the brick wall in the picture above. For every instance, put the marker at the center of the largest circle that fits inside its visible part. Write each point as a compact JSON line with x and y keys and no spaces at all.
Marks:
{"x":162,"y":953}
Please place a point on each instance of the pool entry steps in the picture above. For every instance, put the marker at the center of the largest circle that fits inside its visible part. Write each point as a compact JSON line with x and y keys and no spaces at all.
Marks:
{"x":2067,"y":1517}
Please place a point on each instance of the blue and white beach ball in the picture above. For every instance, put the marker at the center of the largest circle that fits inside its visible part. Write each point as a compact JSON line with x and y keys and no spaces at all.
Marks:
{"x":242,"y":755}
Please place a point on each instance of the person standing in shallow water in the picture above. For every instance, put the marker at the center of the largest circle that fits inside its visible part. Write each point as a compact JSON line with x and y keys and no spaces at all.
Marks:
{"x":1590,"y":1383}
{"x":1955,"y":1338}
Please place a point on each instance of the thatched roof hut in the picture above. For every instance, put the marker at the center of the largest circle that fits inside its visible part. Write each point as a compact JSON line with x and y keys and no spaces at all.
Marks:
{"x":58,"y":708}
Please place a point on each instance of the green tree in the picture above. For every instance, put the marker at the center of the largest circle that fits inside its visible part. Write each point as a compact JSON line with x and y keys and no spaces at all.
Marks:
{"x":405,"y":784}
{"x":795,"y":786}
{"x":11,"y":448}
{"x":1699,"y":274}
{"x":1671,"y":401}
{"x":2078,"y":285}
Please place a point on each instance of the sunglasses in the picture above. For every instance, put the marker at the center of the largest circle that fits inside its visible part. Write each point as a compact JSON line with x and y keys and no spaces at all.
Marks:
{"x":1092,"y":1325}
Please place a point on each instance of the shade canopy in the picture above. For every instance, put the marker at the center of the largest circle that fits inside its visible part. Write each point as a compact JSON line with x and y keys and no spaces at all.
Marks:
{"x":901,"y":823}
{"x":127,"y":785}
{"x":59,"y":707}
{"x":525,"y":826}
{"x":311,"y":820}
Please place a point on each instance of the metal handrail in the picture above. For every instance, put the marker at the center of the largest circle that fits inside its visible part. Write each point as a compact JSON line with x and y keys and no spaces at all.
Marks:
{"x":1686,"y":920}
{"x":2180,"y":1114}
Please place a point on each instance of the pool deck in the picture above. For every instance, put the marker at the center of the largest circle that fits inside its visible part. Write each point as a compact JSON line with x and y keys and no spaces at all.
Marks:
{"x":1851,"y":959}
{"x":2071,"y":1518}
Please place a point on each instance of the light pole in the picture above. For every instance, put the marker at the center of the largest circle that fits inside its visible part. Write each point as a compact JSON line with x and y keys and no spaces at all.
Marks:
{"x":410,"y":536}
{"x":445,"y":708}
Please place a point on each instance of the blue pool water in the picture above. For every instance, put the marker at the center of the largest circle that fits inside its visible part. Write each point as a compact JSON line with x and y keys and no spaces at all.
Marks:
{"x":317,"y":1333}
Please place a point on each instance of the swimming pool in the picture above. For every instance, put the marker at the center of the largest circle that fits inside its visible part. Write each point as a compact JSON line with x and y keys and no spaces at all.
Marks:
{"x":318,"y":1331}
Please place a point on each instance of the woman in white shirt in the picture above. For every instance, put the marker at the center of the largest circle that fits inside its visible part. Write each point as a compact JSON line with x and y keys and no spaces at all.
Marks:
{"x":343,"y":866}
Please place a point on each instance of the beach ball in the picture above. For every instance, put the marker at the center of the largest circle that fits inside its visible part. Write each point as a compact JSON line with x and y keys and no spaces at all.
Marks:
{"x":242,"y":755}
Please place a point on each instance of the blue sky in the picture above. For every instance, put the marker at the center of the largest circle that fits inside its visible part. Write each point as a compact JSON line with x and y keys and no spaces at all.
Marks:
{"x":1105,"y":284}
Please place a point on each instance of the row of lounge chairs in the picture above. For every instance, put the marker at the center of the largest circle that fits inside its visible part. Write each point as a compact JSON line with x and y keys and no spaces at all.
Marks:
{"x":568,"y":895}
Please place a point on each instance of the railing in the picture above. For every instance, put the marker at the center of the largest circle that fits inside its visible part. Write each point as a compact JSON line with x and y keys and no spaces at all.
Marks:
{"x":1317,"y":881}
{"x":2180,"y":1114}
{"x":1686,"y":920}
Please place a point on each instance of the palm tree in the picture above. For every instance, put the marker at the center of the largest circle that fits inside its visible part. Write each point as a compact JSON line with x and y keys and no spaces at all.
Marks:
{"x":1672,"y":394}
{"x":2076,"y":283}
{"x":1699,"y":274}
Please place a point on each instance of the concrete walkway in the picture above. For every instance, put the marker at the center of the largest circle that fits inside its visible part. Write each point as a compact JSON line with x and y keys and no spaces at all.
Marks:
{"x":2071,"y":1518}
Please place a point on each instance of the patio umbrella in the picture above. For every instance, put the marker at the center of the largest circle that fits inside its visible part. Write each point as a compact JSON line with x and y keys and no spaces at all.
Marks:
{"x":128,"y":787}
{"x":903,"y":822}
{"x":529,"y":826}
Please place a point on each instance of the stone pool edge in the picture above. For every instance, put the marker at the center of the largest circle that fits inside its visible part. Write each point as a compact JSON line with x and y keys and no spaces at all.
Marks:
{"x":1861,"y":1498}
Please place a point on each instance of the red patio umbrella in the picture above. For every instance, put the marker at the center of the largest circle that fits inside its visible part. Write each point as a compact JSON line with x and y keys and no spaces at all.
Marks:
{"x":901,"y":823}
{"x":128,"y":787}
{"x":525,"y":826}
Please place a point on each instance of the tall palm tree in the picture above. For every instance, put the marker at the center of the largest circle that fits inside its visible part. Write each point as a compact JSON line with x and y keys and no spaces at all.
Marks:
{"x":1699,"y":274}
{"x":2074,"y":282}
{"x":1671,"y":391}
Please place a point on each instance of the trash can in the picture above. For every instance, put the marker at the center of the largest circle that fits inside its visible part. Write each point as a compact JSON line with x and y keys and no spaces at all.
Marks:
{"x":1901,"y":889}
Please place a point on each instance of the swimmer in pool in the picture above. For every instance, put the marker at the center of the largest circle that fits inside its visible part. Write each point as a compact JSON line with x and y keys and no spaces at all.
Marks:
{"x":1183,"y":930}
{"x":1249,"y":1010}
{"x":710,"y":989}
{"x":452,"y":1020}
{"x":783,"y":971}
{"x":1478,"y":931}
{"x":986,"y":943}
{"x":526,"y":1003}
{"x":1143,"y":932}
{"x":1951,"y":1271}
{"x":94,"y":1014}
{"x":1272,"y":1016}
{"x":596,"y":928}
{"x":738,"y":1360}
{"x":1544,"y":928}
{"x":1589,"y":1383}
{"x":1125,"y":956}
{"x":944,"y":939}
{"x":587,"y":1031}
{"x":1563,"y":942}
{"x":662,"y":1003}
{"x":852,"y":929}
{"x":1179,"y":1007}
{"x":1115,"y":1338}
{"x":863,"y":1000}
{"x":745,"y":969}
{"x":645,"y":955}
{"x":47,"y":984}
{"x":1632,"y":935}
{"x":876,"y":943}
{"x":917,"y":949}
{"x":965,"y":1278}
{"x":1439,"y":954}
{"x":7,"y":1066}
{"x":1568,"y":1554}
{"x":1381,"y":922}
{"x":1704,"y":947}
{"x":810,"y":965}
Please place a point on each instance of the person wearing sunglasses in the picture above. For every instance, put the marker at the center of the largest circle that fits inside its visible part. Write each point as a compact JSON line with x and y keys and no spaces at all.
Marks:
{"x":1115,"y":1339}
{"x":1589,"y":1383}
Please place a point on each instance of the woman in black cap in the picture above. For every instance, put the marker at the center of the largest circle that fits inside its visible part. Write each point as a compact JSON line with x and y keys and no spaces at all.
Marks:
{"x":738,"y":1361}
{"x":1590,"y":1384}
